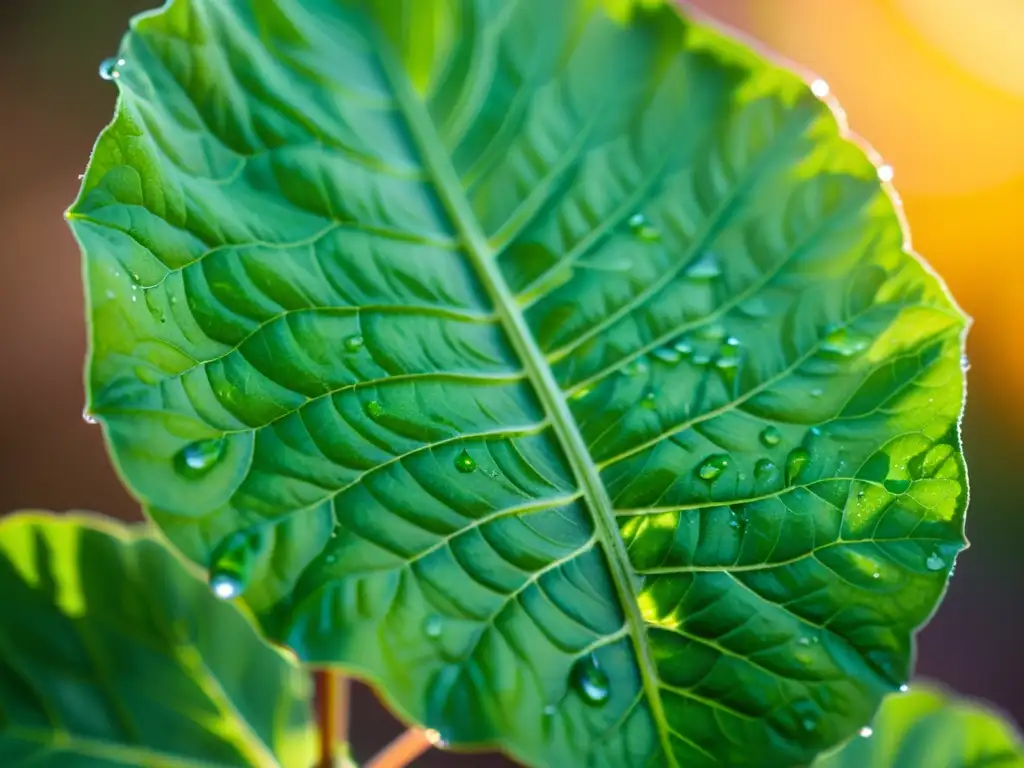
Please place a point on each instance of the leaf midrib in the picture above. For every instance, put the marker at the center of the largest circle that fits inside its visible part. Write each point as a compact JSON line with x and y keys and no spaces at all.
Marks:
{"x":483,"y":258}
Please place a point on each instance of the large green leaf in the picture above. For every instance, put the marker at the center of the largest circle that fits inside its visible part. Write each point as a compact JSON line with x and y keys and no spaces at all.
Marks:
{"x":928,"y":727}
{"x":564,"y":374}
{"x":113,"y":654}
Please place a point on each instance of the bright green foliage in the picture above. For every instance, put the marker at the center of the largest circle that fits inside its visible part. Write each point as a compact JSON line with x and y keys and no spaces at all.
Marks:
{"x":929,"y":728}
{"x":564,"y":375}
{"x":113,"y":655}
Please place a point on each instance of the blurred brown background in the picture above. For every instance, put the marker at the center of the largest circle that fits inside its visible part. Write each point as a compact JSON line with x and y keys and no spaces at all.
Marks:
{"x":937,"y":86}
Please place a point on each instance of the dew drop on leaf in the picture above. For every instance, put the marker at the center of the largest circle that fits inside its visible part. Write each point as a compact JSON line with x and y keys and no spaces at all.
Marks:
{"x":432,"y":625}
{"x":374,"y":409}
{"x":796,"y":461}
{"x":683,"y":347}
{"x":353,"y":343}
{"x":198,"y":458}
{"x":706,"y":267}
{"x":770,"y":437}
{"x":842,"y":342}
{"x":765,"y":471}
{"x":668,"y":355}
{"x":590,"y":681}
{"x":820,"y":88}
{"x":935,"y":562}
{"x":808,"y":724}
{"x":549,"y":710}
{"x":464,"y":462}
{"x":109,"y":68}
{"x":231,"y":566}
{"x":866,"y":731}
{"x":87,"y":416}
{"x":904,"y":688}
{"x":649,"y":400}
{"x":643,"y":228}
{"x":713,"y":466}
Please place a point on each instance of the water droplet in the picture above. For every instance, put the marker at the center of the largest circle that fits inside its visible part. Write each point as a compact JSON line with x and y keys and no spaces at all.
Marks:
{"x":231,"y":565}
{"x":713,"y":466}
{"x":935,"y":562}
{"x":374,"y":409}
{"x":549,"y":710}
{"x":81,"y":176}
{"x":796,"y":461}
{"x":866,"y":731}
{"x":885,"y":173}
{"x":820,"y":88}
{"x":353,"y":343}
{"x":965,"y":363}
{"x":706,"y":267}
{"x":808,"y":724}
{"x":668,"y":355}
{"x":734,"y":520}
{"x":643,"y":228}
{"x":432,"y":625}
{"x":770,"y":437}
{"x":844,"y":343}
{"x":87,"y":416}
{"x":198,"y":458}
{"x":765,"y":471}
{"x":590,"y":681}
{"x":464,"y":462}
{"x":649,"y":400}
{"x":904,"y":688}
{"x":803,"y":641}
{"x":683,"y":347}
{"x":701,"y":359}
{"x":109,"y":68}
{"x":876,"y":575}
{"x":817,"y":392}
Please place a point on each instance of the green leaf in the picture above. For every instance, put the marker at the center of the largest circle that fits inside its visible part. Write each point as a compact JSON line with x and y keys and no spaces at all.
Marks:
{"x":565,"y":375}
{"x":113,"y":654}
{"x":929,"y":727}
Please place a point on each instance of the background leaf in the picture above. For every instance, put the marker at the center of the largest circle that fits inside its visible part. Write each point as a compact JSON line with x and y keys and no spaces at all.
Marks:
{"x":928,"y":726}
{"x":563,"y":374}
{"x":113,"y":654}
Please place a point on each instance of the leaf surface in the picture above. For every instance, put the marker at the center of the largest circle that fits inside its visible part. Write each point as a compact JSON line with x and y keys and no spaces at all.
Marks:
{"x":928,"y":726}
{"x":560,"y":369}
{"x":113,"y":654}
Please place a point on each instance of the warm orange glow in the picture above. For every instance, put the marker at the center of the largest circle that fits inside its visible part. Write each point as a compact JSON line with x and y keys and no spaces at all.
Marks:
{"x":937,"y":87}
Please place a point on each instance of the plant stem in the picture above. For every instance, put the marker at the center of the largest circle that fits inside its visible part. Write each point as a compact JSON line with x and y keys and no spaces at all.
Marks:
{"x":332,"y":691}
{"x":403,"y":750}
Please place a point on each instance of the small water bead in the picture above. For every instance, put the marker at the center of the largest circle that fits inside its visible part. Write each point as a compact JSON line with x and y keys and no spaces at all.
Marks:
{"x":808,"y":724}
{"x":765,"y":471}
{"x":683,"y":347}
{"x":706,"y":267}
{"x":904,"y":688}
{"x":88,"y":417}
{"x":820,"y":88}
{"x":713,"y":466}
{"x":885,"y":173}
{"x":649,"y":400}
{"x":817,"y":392}
{"x":353,"y":343}
{"x":796,"y":461}
{"x":374,"y":409}
{"x":465,"y":463}
{"x":435,"y":738}
{"x":109,"y":68}
{"x":331,"y":559}
{"x":965,"y":363}
{"x":935,"y":562}
{"x":866,"y":732}
{"x":198,"y":458}
{"x":643,"y":228}
{"x":843,"y":343}
{"x":231,"y":565}
{"x":549,"y":710}
{"x":770,"y":437}
{"x":590,"y":681}
{"x":701,"y":359}
{"x":433,"y":625}
{"x":668,"y":355}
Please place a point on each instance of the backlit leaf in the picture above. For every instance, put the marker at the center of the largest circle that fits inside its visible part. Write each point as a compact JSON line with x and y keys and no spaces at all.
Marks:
{"x":557,"y":366}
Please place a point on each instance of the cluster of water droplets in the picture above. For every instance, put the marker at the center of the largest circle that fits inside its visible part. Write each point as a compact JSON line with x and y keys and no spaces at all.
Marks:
{"x":766,"y":471}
